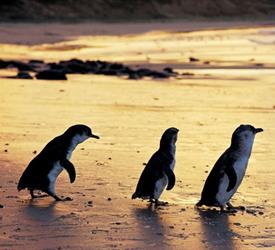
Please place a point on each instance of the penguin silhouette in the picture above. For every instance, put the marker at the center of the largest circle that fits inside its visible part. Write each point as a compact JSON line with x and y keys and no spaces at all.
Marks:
{"x":158,"y":172}
{"x":229,"y":170}
{"x":43,"y":170}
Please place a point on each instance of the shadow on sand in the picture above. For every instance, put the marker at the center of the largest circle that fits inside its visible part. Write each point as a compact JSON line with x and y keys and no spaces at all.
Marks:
{"x":151,"y":225}
{"x":39,"y":210}
{"x":216,"y":230}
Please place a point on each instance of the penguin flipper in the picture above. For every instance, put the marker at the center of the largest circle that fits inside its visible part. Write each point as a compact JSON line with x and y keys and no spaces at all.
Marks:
{"x":66,"y":164}
{"x":171,"y":178}
{"x":232,"y":176}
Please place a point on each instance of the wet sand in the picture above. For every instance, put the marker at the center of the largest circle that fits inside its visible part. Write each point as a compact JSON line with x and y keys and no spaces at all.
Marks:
{"x":233,"y":83}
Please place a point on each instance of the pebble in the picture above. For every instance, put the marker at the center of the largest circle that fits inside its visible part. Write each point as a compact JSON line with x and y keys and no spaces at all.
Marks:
{"x":193,"y":59}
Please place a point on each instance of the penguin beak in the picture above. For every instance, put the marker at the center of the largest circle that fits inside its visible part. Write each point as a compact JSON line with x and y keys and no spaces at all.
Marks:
{"x":258,"y":130}
{"x":94,"y":136}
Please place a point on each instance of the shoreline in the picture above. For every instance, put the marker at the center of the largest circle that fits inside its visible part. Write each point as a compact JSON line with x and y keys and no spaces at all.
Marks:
{"x":41,"y":33}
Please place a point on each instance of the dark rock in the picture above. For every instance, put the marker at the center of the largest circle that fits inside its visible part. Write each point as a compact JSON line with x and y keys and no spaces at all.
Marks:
{"x":36,"y":61}
{"x":37,"y":65}
{"x":168,"y":70}
{"x":157,"y":74}
{"x":116,"y":66}
{"x":3,"y":64}
{"x":133,"y":76}
{"x":108,"y":72}
{"x":102,"y":64}
{"x":93,"y":66}
{"x":21,"y":66}
{"x":143,"y":72}
{"x":56,"y":66}
{"x":193,"y":59}
{"x":58,"y":71}
{"x":51,"y":75}
{"x":127,"y":71}
{"x":75,"y":60}
{"x":75,"y":66}
{"x":23,"y":75}
{"x":78,"y":68}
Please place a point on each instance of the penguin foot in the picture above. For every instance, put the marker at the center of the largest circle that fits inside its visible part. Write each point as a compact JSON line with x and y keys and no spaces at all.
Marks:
{"x":57,"y":198}
{"x":229,"y":205}
{"x":39,"y":196}
{"x":54,"y":196}
{"x":157,"y":202}
{"x":33,"y":196}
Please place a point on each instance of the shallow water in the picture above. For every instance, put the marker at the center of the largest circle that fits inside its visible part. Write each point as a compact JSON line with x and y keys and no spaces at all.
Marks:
{"x":130,"y":117}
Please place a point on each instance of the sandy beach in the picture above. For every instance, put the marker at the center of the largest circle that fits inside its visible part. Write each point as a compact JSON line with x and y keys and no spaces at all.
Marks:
{"x":232,"y":83}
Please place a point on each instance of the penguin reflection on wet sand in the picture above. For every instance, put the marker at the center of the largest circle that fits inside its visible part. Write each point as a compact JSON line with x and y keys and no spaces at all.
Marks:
{"x":43,"y":170}
{"x":159,"y":170}
{"x":229,"y":170}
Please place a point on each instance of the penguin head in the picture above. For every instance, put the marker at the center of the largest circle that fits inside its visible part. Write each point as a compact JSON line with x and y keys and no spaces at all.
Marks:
{"x":169,"y":137}
{"x":80,"y":133}
{"x":244,"y":136}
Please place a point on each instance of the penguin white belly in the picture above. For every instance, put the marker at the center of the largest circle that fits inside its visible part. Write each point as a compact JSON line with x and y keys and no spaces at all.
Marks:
{"x":240,"y":167}
{"x":172,"y":165}
{"x":159,"y":186}
{"x":70,"y":151}
{"x":161,"y":183}
{"x":56,"y":170}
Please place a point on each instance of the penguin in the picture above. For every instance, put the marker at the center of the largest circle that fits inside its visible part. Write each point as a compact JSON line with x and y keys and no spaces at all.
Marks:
{"x":42,"y":171}
{"x":159,"y":171}
{"x":229,"y":170}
